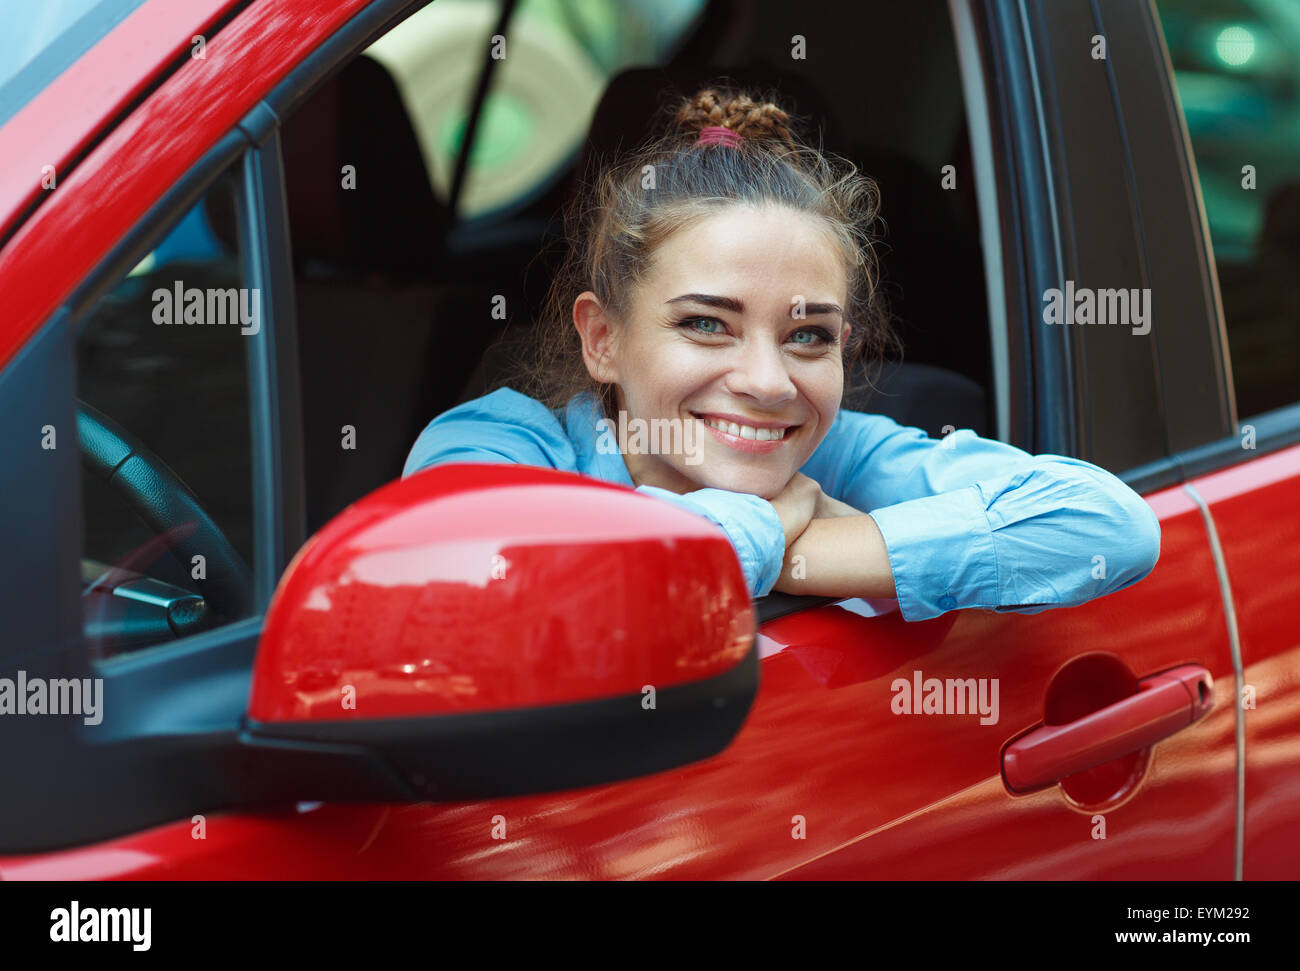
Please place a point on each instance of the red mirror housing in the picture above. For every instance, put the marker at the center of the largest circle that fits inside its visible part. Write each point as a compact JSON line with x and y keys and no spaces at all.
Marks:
{"x":488,"y":588}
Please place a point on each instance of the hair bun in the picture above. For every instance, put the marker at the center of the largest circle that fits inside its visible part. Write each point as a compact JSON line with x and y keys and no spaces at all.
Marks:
{"x":748,"y":118}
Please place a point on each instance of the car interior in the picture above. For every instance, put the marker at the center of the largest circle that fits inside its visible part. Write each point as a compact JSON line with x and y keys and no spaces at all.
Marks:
{"x":395,"y":289}
{"x":425,"y":186}
{"x":398,"y":263}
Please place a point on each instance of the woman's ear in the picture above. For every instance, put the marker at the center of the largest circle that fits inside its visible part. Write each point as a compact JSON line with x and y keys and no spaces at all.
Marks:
{"x":596,"y":330}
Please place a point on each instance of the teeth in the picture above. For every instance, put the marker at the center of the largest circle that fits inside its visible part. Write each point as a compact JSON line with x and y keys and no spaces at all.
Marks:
{"x":746,"y":431}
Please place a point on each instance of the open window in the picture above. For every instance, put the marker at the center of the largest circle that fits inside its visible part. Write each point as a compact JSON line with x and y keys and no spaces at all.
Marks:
{"x":421,"y":260}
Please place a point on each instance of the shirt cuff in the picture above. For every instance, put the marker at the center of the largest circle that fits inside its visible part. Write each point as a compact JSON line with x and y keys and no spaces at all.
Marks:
{"x":941,"y":551}
{"x":750,"y":522}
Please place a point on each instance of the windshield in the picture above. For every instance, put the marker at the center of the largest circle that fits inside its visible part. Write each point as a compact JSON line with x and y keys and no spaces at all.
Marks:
{"x":40,"y":40}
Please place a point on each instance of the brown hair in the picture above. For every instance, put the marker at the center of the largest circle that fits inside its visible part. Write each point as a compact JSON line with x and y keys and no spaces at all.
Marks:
{"x":615,"y":224}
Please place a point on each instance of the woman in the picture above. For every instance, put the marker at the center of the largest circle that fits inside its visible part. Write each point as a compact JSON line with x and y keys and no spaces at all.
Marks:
{"x":719,"y":283}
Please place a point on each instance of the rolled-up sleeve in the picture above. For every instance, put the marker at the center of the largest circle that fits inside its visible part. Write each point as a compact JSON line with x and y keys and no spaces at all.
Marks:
{"x":973,"y":522}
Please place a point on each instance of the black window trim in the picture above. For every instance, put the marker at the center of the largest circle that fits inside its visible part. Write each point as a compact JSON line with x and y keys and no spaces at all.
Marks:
{"x":1274,"y":431}
{"x":333,"y":55}
{"x":1038,"y":371}
{"x":280,"y":517}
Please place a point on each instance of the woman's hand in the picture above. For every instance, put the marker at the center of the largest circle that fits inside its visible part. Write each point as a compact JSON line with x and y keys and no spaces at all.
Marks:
{"x":797,"y":505}
{"x":839,"y":552}
{"x":828,"y":508}
{"x":801,"y":501}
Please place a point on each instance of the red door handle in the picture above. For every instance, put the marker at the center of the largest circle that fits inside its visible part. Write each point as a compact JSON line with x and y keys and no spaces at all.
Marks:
{"x":1164,"y":704}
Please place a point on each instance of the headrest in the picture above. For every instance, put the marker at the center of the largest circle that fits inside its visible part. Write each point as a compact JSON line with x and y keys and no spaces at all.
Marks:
{"x":391,"y":223}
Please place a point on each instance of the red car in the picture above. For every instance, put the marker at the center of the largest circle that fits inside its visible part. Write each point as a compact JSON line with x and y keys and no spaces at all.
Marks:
{"x":249,"y":249}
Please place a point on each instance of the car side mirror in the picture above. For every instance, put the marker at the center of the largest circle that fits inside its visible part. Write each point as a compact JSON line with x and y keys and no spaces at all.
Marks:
{"x":485,"y":630}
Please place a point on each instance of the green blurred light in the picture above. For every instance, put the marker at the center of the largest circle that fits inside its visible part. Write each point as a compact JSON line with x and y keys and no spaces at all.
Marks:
{"x":505,"y":131}
{"x":146,"y":265}
{"x":1235,"y":46}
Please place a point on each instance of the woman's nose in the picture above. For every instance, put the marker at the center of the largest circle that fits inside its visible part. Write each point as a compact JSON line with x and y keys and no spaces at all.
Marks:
{"x":761,"y":374}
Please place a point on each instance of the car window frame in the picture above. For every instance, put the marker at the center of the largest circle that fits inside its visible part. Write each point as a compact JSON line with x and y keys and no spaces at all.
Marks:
{"x":1046,"y":376}
{"x":1217,"y":449}
{"x":255,"y":195}
{"x":164,"y":665}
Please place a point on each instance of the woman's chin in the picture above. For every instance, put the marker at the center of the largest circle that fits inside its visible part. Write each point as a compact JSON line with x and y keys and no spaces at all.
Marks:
{"x":767,"y":486}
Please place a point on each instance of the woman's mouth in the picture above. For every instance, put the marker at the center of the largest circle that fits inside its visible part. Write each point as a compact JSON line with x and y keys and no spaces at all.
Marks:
{"x":754,"y":438}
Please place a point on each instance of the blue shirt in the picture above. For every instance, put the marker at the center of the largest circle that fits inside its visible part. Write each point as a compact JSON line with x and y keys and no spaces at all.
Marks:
{"x":967,"y":521}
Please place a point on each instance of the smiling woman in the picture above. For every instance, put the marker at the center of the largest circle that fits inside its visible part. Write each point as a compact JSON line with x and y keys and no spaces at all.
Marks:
{"x":722,"y":277}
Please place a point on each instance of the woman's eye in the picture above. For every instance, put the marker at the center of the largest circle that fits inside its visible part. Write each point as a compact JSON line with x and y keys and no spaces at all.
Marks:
{"x":811,"y":336}
{"x":702,"y":325}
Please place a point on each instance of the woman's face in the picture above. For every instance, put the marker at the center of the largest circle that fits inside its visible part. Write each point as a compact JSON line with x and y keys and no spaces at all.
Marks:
{"x":715,"y":333}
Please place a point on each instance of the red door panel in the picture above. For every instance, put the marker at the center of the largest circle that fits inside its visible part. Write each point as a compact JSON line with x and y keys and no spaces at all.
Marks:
{"x":1256,"y":508}
{"x":824,"y":744}
{"x":825,"y":780}
{"x":1176,"y":822}
{"x":313,"y":843}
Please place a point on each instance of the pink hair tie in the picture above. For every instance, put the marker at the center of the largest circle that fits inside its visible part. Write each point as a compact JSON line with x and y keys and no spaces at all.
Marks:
{"x":715,"y":134}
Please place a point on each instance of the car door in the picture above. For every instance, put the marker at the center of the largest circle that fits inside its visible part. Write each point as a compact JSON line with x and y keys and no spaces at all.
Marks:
{"x":830,"y":777}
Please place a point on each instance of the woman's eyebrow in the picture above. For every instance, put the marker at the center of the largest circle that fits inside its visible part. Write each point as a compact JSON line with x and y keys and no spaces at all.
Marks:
{"x":709,"y":300}
{"x":738,"y":307}
{"x":810,"y":309}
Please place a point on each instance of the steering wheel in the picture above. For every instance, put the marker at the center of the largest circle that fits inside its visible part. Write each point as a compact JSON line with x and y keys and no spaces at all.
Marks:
{"x":168,"y":508}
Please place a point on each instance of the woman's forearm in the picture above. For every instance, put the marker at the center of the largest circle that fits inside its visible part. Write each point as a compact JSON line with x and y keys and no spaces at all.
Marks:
{"x":843,"y":556}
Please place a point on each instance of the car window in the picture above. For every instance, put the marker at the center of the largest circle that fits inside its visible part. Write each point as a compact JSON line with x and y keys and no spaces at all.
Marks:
{"x":163,"y":426}
{"x":1237,"y":70}
{"x":405,"y":309}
